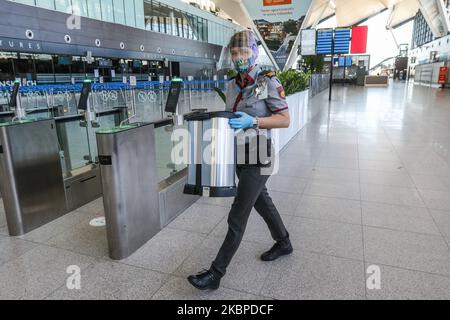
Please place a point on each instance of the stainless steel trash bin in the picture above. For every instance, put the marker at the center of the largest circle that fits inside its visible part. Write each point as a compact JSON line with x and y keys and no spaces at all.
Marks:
{"x":212,"y":155}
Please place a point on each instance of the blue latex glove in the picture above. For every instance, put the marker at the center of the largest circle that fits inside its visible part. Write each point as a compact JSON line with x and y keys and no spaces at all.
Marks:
{"x":244,"y":121}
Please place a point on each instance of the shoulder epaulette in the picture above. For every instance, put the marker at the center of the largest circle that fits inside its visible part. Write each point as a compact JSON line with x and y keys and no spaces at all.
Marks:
{"x":269,"y":73}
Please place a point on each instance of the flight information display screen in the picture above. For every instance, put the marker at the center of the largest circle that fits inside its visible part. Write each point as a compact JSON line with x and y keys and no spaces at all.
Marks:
{"x":82,"y":104}
{"x":324,"y":41}
{"x":13,"y":98}
{"x":342,"y":41}
{"x":174,"y":96}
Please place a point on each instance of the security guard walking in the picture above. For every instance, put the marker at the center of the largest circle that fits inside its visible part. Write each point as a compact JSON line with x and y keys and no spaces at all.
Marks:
{"x":259,"y":101}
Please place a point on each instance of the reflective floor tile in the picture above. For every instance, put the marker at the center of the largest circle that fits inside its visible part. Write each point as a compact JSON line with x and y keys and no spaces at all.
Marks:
{"x":407,"y":250}
{"x":333,"y":209}
{"x":38,"y":273}
{"x":311,"y":276}
{"x":166,"y":251}
{"x":398,"y":218}
{"x":327,"y":237}
{"x":113,"y":281}
{"x":402,"y":284}
{"x":199,"y":218}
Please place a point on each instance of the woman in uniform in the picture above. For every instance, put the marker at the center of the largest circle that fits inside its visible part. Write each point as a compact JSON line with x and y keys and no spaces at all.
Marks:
{"x":259,"y":102}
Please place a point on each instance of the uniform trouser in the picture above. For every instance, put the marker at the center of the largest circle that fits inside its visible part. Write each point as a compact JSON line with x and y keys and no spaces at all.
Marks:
{"x":251,"y":192}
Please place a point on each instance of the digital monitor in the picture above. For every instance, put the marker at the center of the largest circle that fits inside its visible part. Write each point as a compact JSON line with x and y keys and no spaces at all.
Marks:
{"x":13,"y":97}
{"x":324,"y":42}
{"x":348,"y":61}
{"x":137,"y":63}
{"x":65,"y":60}
{"x":308,"y":42}
{"x":342,"y":41}
{"x":174,"y":96}
{"x":336,"y":62}
{"x":85,"y":91}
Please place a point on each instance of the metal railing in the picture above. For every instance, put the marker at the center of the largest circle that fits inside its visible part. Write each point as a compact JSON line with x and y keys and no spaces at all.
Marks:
{"x":150,"y":96}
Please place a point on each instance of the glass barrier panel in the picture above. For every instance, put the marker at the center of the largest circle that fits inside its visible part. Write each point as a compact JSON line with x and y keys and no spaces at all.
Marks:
{"x":163,"y":150}
{"x":74,"y":145}
{"x":104,"y":122}
{"x":149,"y":103}
{"x":5,"y":118}
{"x":4,"y":97}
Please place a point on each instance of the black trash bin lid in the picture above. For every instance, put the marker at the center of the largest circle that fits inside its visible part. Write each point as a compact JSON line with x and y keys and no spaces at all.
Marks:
{"x":201,"y":116}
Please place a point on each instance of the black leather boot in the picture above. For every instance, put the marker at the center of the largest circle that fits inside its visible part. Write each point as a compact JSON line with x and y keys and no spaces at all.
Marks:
{"x":279,"y":249}
{"x":205,"y":280}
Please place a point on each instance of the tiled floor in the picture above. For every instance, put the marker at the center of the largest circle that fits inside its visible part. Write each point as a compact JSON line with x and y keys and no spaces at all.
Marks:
{"x":366,"y":184}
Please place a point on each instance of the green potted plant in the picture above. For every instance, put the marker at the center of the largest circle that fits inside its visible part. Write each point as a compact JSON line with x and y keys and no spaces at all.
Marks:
{"x":294,"y":81}
{"x":296,"y":84}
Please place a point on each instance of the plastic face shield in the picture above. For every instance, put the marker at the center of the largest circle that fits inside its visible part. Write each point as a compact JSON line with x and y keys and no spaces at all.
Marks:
{"x":241,"y":51}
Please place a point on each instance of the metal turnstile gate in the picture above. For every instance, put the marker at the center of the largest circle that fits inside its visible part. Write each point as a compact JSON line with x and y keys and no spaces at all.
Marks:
{"x":130,"y":187}
{"x":31,"y":180}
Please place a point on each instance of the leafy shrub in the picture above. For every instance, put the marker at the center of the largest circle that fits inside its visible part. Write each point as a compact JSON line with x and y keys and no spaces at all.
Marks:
{"x":231,"y":73}
{"x":313,"y":64}
{"x":294,"y":81}
{"x":221,"y":94}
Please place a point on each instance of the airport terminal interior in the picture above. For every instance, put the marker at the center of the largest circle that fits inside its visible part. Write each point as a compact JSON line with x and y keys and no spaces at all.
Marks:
{"x":94,"y":206}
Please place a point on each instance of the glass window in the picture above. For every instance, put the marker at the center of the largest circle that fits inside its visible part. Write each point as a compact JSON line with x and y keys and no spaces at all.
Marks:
{"x":139,"y":12}
{"x":213,"y":34}
{"x":193,"y":26}
{"x":123,"y":67}
{"x":63,"y":6}
{"x":107,"y":10}
{"x":145,"y":68}
{"x":119,"y":11}
{"x":29,"y":2}
{"x":162,"y":18}
{"x":90,"y":68}
{"x":173,"y":25}
{"x":6,"y":66}
{"x":47,"y":4}
{"x":134,"y":66}
{"x":165,"y":12}
{"x":199,"y":28}
{"x":77,"y":65}
{"x":170,"y":21}
{"x":187,"y":28}
{"x":150,"y":21}
{"x":180,"y":27}
{"x":94,"y":9}
{"x":80,"y":7}
{"x":130,"y":17}
{"x":155,"y":69}
{"x":44,"y":63}
{"x":155,"y":24}
{"x":62,"y":64}
{"x":205,"y":30}
{"x":24,"y":65}
{"x":178,"y":16}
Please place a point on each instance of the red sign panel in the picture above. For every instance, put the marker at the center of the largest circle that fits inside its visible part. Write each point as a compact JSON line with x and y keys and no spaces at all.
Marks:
{"x":443,"y":75}
{"x":276,"y":2}
{"x":359,"y":39}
